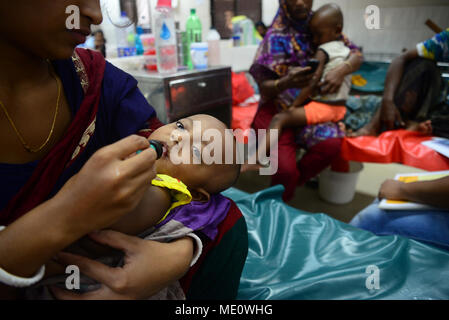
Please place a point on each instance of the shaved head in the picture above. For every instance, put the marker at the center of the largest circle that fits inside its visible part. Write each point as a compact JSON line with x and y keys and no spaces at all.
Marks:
{"x":330,"y":14}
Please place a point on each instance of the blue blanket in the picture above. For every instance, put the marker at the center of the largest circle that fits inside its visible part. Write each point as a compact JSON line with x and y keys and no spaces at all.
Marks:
{"x":297,"y":255}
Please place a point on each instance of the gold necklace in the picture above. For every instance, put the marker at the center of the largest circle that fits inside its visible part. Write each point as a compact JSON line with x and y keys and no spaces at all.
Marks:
{"x":22,"y":140}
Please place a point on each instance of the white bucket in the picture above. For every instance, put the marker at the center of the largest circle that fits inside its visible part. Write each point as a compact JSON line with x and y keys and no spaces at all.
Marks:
{"x":339,"y":187}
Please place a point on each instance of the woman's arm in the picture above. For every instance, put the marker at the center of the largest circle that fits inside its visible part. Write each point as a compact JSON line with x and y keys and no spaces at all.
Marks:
{"x":296,"y":78}
{"x":335,"y":78}
{"x":304,"y":95}
{"x":101,"y":193}
{"x":434,"y":193}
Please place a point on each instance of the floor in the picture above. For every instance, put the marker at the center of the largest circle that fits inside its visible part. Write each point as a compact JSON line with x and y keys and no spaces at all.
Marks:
{"x":308,"y":199}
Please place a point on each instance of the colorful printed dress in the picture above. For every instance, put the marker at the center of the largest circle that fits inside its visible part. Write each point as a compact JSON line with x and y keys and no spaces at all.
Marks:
{"x":436,"y":48}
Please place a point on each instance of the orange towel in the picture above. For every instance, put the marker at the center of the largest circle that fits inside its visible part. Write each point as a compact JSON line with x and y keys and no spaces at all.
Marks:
{"x":317,"y":112}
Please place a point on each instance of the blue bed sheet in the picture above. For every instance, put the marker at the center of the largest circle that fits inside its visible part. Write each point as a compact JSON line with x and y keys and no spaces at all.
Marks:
{"x":298,"y":255}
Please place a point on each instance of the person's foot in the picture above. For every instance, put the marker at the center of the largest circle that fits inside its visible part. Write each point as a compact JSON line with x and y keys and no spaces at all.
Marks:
{"x":422,"y":127}
{"x":368,"y":130}
{"x":342,"y":126}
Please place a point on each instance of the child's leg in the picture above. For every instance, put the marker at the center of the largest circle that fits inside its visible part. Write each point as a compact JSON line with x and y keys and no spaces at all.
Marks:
{"x":292,"y":118}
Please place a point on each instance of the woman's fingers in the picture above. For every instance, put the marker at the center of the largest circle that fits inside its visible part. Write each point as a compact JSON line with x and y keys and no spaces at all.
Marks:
{"x":91,"y":268}
{"x":127,"y":146}
{"x":103,"y":293}
{"x":138,"y":164}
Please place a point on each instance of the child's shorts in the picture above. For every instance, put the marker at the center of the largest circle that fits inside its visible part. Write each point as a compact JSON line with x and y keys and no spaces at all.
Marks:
{"x":317,"y":112}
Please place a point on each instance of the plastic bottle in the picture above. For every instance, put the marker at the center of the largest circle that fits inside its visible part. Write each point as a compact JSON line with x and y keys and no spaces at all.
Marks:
{"x":165,"y":34}
{"x":139,"y":45}
{"x":213,"y":40}
{"x":194,"y":31}
{"x":125,"y":47}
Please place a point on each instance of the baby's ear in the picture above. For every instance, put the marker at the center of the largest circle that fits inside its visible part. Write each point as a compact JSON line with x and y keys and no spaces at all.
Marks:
{"x":200,"y":195}
{"x":339,"y":28}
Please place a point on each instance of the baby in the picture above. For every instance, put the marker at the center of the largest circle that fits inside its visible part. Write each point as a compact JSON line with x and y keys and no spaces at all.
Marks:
{"x":326,"y":26}
{"x":183,"y":200}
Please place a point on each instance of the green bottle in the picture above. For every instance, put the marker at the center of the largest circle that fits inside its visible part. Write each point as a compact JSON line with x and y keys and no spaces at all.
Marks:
{"x":194,"y":31}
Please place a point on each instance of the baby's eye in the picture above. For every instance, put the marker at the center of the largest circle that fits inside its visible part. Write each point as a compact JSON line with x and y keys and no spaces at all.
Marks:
{"x":179,"y":125}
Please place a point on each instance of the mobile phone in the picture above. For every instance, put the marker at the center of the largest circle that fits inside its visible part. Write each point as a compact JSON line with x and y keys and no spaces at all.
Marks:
{"x":313,"y":63}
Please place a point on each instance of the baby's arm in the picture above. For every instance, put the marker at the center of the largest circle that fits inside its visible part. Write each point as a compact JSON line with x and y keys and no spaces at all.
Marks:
{"x":305,"y":93}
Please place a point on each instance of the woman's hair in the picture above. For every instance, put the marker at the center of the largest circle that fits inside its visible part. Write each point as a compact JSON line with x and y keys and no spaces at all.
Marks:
{"x":261,"y":24}
{"x":101,"y":32}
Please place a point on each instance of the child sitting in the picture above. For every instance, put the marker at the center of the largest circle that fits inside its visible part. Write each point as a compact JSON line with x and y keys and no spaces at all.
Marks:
{"x":183,"y":201}
{"x":326,"y":26}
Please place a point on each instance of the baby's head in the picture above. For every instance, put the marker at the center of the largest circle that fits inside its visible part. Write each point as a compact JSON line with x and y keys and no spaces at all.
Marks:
{"x":201,"y":165}
{"x":326,"y":24}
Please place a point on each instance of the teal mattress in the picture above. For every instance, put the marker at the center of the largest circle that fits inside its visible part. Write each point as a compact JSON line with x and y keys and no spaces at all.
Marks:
{"x":297,"y":255}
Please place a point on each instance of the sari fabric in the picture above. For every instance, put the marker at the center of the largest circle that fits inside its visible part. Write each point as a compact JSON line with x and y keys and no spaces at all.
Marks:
{"x":106,"y":107}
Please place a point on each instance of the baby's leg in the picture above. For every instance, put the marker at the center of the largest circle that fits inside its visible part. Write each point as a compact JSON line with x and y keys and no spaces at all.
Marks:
{"x":292,"y":118}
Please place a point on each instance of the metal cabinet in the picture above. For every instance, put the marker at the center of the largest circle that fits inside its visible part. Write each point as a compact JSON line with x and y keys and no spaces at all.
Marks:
{"x":189,"y":92}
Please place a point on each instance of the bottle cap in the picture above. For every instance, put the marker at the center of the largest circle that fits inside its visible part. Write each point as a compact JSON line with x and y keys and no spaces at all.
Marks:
{"x":192,"y":11}
{"x":164,"y":3}
{"x":158,"y":147}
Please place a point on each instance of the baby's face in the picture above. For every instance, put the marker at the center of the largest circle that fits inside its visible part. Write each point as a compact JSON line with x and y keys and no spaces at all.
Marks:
{"x":185,"y":150}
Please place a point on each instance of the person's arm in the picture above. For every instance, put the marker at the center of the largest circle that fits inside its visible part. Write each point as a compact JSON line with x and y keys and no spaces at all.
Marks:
{"x":104,"y":190}
{"x":297,"y":78}
{"x":305,"y":94}
{"x":434,"y":193}
{"x":149,"y":267}
{"x":389,"y":112}
{"x":335,"y":77}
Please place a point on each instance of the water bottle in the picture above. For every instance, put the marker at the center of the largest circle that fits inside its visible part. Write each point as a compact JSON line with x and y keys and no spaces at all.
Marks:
{"x":124,"y":47}
{"x":165,"y":33}
{"x":213,"y":39}
{"x":194,"y":31}
{"x":139,"y":45}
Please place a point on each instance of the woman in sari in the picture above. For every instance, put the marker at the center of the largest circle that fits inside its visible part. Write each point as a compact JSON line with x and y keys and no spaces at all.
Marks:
{"x":69,"y":123}
{"x":278,"y":70}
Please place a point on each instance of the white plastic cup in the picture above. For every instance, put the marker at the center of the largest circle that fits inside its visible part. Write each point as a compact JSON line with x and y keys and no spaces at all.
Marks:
{"x":199,"y":52}
{"x":339,"y":187}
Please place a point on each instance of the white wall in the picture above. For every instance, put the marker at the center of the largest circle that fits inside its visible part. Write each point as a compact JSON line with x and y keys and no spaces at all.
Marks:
{"x":402,"y":21}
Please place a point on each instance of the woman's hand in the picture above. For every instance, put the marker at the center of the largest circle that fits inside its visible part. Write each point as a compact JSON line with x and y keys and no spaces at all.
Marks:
{"x":109,"y":185}
{"x":392,"y":190}
{"x":390,"y":116}
{"x":333,"y":81}
{"x":149,"y":267}
{"x":299,"y":77}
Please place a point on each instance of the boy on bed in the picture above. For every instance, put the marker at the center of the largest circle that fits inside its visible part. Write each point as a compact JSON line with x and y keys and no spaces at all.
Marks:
{"x":183,"y":201}
{"x":326,"y":26}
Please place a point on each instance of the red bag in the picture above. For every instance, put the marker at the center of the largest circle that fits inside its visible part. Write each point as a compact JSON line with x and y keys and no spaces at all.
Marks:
{"x":399,"y":146}
{"x":241,"y":88}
